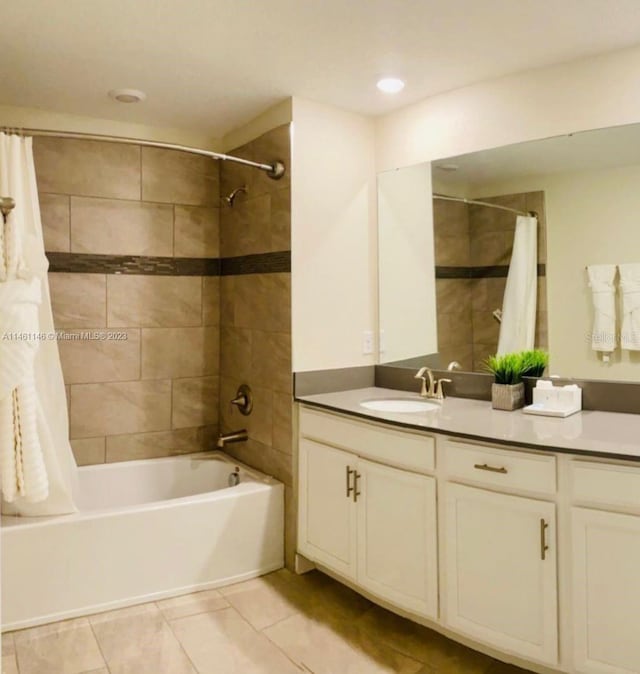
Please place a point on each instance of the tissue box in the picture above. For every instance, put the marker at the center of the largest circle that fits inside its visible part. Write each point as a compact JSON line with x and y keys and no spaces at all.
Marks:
{"x":555,"y":401}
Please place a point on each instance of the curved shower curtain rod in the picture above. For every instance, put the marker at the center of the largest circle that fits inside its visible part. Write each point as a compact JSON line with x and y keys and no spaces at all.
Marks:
{"x":275,"y":170}
{"x":476,"y":202}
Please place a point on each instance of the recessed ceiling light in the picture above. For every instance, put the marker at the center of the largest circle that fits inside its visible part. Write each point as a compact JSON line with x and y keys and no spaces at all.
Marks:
{"x":127,"y":95}
{"x":390,"y":85}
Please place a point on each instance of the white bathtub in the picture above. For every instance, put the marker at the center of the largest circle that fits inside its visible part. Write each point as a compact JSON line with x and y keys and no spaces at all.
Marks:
{"x":146,"y":530}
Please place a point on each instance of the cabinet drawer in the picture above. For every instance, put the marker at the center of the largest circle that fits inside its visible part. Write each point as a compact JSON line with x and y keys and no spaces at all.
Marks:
{"x":513,"y":469}
{"x":373,"y":441}
{"x":605,"y":483}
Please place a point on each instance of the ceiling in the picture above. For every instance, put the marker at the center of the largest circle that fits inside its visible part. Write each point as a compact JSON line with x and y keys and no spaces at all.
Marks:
{"x":211,"y":65}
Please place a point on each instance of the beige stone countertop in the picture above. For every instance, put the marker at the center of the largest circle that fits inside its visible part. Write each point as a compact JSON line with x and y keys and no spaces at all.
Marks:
{"x":605,"y":434}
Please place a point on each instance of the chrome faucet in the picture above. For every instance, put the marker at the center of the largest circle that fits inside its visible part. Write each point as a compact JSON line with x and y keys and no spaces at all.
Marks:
{"x":434,"y":390}
{"x":236,"y":436}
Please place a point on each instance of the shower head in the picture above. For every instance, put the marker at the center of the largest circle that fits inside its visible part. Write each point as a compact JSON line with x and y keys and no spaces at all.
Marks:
{"x":232,"y":196}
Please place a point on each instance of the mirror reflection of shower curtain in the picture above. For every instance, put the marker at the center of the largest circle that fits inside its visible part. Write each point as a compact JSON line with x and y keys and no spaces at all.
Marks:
{"x":38,"y":470}
{"x":518,"y":326}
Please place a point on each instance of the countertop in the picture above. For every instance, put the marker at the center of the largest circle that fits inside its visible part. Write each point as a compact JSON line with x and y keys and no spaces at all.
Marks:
{"x":605,"y":434}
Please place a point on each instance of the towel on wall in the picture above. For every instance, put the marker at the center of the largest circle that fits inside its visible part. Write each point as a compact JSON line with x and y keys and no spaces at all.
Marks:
{"x":630,"y":289}
{"x":603,"y":292}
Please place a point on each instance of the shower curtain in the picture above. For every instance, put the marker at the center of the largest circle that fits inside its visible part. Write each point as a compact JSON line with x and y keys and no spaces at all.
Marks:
{"x":37,"y":468}
{"x":518,"y":326}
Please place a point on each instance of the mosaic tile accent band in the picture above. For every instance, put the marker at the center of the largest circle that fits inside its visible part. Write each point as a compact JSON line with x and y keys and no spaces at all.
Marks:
{"x":82,"y":263}
{"x":495,"y":271}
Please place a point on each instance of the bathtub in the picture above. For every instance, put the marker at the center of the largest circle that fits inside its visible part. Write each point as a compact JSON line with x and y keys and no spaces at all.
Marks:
{"x":145,"y":530}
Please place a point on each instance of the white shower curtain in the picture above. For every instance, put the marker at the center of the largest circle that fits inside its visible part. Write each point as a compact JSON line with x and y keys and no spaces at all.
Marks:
{"x":37,"y":468}
{"x":518,"y":326}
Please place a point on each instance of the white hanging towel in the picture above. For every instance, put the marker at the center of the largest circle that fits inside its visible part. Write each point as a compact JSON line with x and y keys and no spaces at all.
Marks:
{"x":601,"y":282}
{"x":36,"y":462}
{"x":518,"y":326}
{"x":630,"y":289}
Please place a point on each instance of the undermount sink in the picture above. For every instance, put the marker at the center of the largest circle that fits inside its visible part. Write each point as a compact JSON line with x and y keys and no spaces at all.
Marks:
{"x":399,"y":405}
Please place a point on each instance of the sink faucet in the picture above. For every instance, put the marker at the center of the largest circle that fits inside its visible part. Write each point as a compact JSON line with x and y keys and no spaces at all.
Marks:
{"x":236,"y":436}
{"x":434,"y":390}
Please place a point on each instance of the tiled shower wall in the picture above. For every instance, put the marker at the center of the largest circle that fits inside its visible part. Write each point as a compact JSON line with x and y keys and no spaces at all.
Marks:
{"x":153,"y":391}
{"x":255,"y":316}
{"x":477,"y":237}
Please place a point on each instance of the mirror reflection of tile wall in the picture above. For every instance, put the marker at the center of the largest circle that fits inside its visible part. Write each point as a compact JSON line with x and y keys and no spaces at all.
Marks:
{"x":472,"y":241}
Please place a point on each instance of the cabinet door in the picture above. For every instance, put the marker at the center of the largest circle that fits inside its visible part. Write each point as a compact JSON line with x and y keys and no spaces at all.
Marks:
{"x":397,"y":537}
{"x":327,"y":516}
{"x":606,"y":591}
{"x":500,"y":584}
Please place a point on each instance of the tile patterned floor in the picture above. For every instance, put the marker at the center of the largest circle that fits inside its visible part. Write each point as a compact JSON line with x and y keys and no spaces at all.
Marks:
{"x":277,"y":624}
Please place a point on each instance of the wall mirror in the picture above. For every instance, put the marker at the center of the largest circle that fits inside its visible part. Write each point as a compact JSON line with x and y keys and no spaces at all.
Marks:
{"x":443,"y":263}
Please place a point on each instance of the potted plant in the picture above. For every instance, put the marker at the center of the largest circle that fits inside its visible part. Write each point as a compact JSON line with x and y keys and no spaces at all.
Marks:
{"x":507,"y":392}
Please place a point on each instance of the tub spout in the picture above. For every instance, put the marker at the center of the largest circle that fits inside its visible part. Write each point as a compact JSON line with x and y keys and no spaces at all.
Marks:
{"x":236,"y":436}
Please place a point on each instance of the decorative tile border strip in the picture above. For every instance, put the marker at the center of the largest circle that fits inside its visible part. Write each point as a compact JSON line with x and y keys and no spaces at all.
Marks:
{"x":260,"y":263}
{"x":496,"y":271}
{"x":84,"y":263}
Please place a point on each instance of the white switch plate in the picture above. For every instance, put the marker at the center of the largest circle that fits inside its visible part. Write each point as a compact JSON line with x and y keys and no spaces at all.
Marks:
{"x":367,"y":342}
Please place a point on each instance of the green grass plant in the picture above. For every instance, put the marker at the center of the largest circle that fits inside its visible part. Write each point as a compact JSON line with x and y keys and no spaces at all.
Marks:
{"x":510,"y":368}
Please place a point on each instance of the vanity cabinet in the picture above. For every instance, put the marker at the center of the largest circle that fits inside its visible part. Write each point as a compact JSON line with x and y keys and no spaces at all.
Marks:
{"x":371,"y":522}
{"x":500,"y":570}
{"x":606,"y":568}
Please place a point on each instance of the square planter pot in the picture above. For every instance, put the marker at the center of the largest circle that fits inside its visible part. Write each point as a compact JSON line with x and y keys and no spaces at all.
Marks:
{"x":507,"y":396}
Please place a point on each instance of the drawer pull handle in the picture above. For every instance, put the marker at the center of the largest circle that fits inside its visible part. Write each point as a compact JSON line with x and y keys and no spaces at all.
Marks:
{"x":543,"y":539}
{"x":492,"y":469}
{"x":356,"y":493}
{"x":349,"y":487}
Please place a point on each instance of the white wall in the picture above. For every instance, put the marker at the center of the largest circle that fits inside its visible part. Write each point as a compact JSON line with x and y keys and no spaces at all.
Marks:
{"x":333,"y":236}
{"x":407,"y":288}
{"x":586,"y":94}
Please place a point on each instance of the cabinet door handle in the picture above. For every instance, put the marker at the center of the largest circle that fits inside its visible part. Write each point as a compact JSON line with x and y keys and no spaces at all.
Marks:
{"x":356,"y":493}
{"x":492,"y":469}
{"x":349,"y":487}
{"x":543,"y":539}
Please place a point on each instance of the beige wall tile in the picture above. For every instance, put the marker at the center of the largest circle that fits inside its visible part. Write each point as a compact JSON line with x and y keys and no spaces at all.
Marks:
{"x":483,"y":219}
{"x":281,"y":219}
{"x":54,"y":212}
{"x":195,"y":402}
{"x":96,"y":360}
{"x":491,"y":248}
{"x":174,"y":177}
{"x":133,"y":446}
{"x":282,"y":423}
{"x":78,"y":300}
{"x":455,"y":329}
{"x":197,"y":231}
{"x":488,"y":294}
{"x":211,"y":300}
{"x":118,"y":227}
{"x":227,"y":300}
{"x":259,"y":423}
{"x":154,"y":301}
{"x":235,"y":352}
{"x":450,"y":218}
{"x":89,"y":451}
{"x":245,"y":228}
{"x":271,"y":360}
{"x":453,"y":295}
{"x":87,"y":168}
{"x":180,"y":352}
{"x":485,"y":328}
{"x":263,"y":302}
{"x":451,"y":250}
{"x":123,"y":407}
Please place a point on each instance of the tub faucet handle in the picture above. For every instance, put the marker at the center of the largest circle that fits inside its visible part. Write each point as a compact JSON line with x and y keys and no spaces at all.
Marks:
{"x":243,"y":400}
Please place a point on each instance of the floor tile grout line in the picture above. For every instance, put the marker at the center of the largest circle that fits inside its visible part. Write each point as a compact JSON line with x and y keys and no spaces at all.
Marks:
{"x":95,"y":636}
{"x":175,"y":636}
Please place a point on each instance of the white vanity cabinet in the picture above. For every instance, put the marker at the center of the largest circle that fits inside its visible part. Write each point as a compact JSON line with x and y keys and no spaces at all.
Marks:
{"x":371,"y":522}
{"x":499,"y":549}
{"x":606,"y":567}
